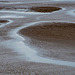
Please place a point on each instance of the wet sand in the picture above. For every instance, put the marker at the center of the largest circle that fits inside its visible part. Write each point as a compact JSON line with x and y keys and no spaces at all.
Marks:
{"x":51,"y":38}
{"x":44,"y":9}
{"x":3,"y":21}
{"x":12,"y":62}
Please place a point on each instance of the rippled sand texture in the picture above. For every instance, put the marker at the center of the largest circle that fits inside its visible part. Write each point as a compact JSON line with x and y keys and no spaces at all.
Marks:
{"x":37,"y":41}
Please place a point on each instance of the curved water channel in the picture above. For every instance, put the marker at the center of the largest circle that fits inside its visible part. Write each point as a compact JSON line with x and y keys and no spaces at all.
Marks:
{"x":18,"y":45}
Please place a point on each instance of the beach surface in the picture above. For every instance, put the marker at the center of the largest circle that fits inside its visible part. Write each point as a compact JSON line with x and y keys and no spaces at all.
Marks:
{"x":37,"y":38}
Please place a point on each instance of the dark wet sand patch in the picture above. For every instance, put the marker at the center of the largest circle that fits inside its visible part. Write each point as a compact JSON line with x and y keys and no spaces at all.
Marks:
{"x":3,"y":21}
{"x":54,"y":40}
{"x":45,"y":9}
{"x":64,"y":31}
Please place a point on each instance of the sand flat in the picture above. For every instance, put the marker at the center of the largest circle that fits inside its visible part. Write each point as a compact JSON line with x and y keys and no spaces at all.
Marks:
{"x":14,"y":63}
{"x":53,"y":37}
